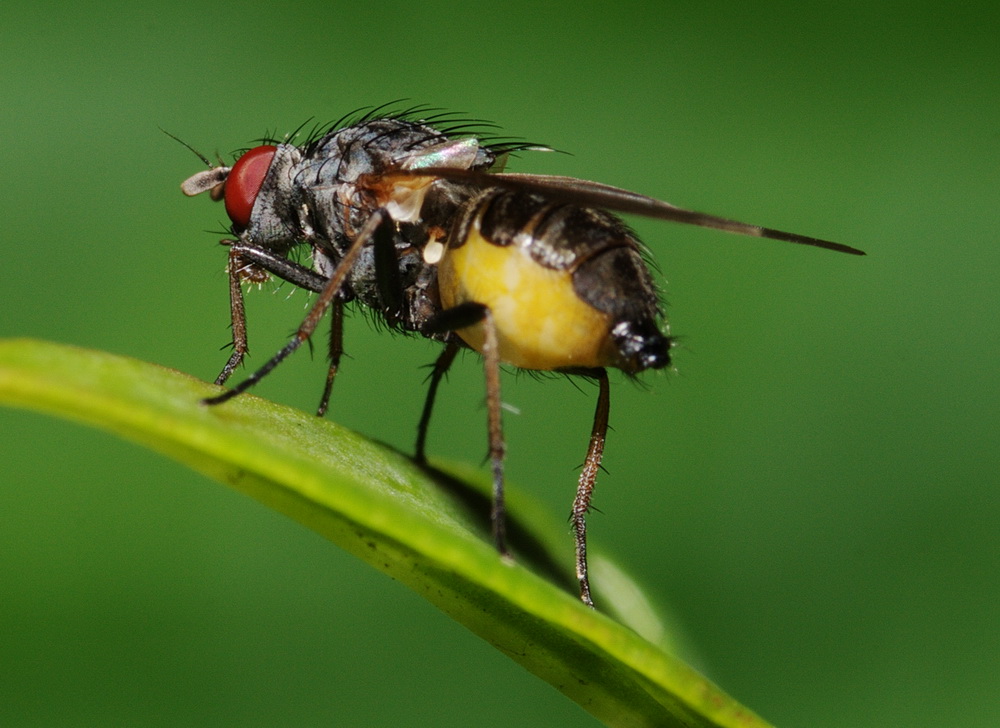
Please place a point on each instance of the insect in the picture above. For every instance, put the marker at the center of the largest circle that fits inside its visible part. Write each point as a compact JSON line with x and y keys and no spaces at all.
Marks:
{"x":414,"y":220}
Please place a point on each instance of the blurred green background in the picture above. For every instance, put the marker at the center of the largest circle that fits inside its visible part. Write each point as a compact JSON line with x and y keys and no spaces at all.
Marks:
{"x":813,"y":491}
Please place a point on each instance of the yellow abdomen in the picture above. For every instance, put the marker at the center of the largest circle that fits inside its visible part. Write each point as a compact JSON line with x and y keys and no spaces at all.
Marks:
{"x":541,"y":322}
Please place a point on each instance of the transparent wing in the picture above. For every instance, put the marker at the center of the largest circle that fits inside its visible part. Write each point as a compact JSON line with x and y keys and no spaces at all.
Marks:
{"x":594,"y":194}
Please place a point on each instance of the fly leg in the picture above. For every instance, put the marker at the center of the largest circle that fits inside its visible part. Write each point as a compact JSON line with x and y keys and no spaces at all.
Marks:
{"x":251,"y":263}
{"x":441,"y":367}
{"x":588,"y":477}
{"x":287,"y":270}
{"x":336,"y":349}
{"x":298,"y":275}
{"x":327,"y":297}
{"x":237,"y":269}
{"x":491,"y":368}
{"x":390,"y":290}
{"x":460,"y":317}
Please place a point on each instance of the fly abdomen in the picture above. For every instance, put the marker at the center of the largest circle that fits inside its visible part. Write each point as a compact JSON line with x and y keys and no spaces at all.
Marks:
{"x":566,"y":285}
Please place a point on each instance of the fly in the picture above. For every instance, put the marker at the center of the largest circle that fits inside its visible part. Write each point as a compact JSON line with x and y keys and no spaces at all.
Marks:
{"x":414,"y":220}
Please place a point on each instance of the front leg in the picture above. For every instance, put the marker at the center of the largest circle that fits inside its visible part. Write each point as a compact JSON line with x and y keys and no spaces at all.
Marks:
{"x":263,"y":261}
{"x":239,"y":270}
{"x":310,"y":280}
{"x":328,"y":296}
{"x":249,"y":263}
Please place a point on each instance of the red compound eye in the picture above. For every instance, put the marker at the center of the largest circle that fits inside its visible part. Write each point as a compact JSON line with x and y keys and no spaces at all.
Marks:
{"x":244,"y":181}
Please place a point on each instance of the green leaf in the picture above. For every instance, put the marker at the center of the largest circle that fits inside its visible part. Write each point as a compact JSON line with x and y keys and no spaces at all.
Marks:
{"x":419,"y":525}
